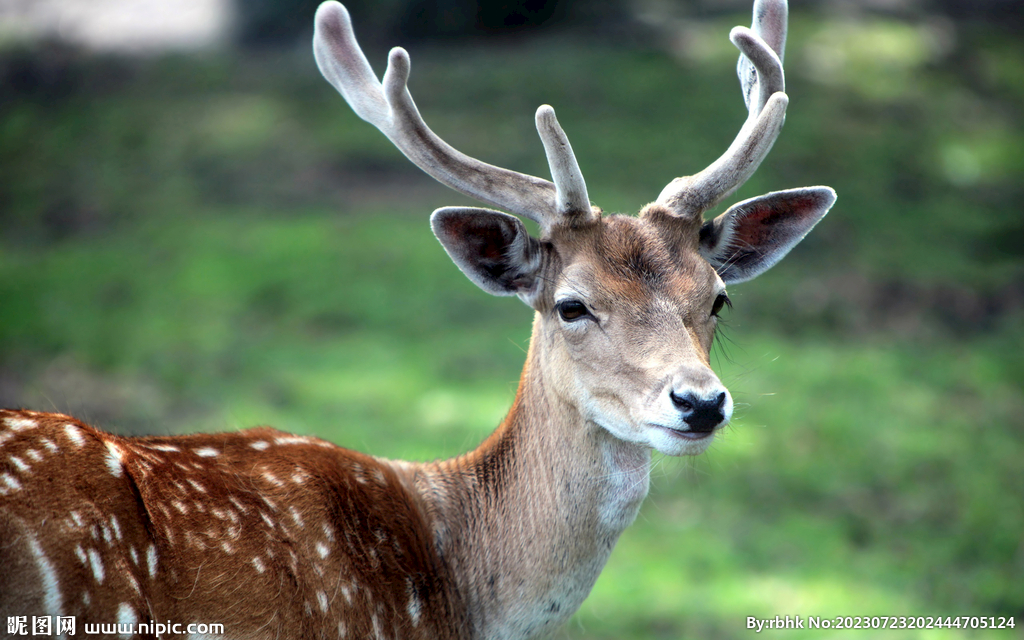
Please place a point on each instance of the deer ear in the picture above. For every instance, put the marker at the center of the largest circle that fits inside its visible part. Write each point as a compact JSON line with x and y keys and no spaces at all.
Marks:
{"x":492,"y":248}
{"x":753,"y":235}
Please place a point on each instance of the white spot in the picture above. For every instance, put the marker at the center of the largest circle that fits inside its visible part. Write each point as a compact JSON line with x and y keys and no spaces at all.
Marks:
{"x":199,"y":506}
{"x":207,"y":452}
{"x":35,"y":455}
{"x":266,"y":518}
{"x":86,"y":600}
{"x":322,"y":549}
{"x":18,"y":462}
{"x":180,"y":507}
{"x":309,"y":609}
{"x":113,"y":458}
{"x":345,"y":591}
{"x":259,"y":445}
{"x":74,"y":434}
{"x":52,"y":601}
{"x":165,"y":447}
{"x":256,"y":562}
{"x":378,"y":475}
{"x":268,"y":502}
{"x":198,"y":487}
{"x":271,"y":478}
{"x":20,"y":424}
{"x":377,"y":634}
{"x":126,"y":617}
{"x":329,"y":532}
{"x":117,"y":527}
{"x":77,"y":518}
{"x":106,"y":534}
{"x":81,"y":554}
{"x":321,"y":597}
{"x":135,"y":556}
{"x":49,"y":445}
{"x":11,"y":482}
{"x":296,"y":517}
{"x":238,"y":505}
{"x":151,"y":561}
{"x":415,"y":606}
{"x":96,"y":562}
{"x":299,"y":476}
{"x":226,"y":546}
{"x":181,"y":466}
{"x":341,"y":628}
{"x":291,"y":440}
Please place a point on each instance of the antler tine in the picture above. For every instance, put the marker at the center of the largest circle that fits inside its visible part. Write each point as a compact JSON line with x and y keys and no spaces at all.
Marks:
{"x":761,"y":74}
{"x":572,"y":198}
{"x":390,"y":108}
{"x":765,"y":77}
{"x":769,"y":24}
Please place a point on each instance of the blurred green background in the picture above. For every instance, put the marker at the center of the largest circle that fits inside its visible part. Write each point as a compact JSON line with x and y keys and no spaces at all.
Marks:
{"x":212,"y":240}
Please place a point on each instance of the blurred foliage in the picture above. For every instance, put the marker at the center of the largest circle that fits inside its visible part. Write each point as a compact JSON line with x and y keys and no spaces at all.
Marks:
{"x":277,"y":23}
{"x":210,"y":243}
{"x":270,"y":23}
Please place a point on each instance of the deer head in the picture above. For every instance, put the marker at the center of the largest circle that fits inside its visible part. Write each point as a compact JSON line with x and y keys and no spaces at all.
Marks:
{"x":626,"y":307}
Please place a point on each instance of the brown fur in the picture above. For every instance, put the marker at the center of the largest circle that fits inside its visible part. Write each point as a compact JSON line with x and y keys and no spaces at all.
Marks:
{"x":286,"y":541}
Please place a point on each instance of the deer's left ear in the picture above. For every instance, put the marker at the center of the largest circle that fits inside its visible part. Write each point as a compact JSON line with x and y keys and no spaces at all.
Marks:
{"x":492,"y":248}
{"x":753,"y":235}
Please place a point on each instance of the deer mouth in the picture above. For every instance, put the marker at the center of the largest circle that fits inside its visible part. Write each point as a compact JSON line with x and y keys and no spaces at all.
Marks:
{"x":686,"y":435}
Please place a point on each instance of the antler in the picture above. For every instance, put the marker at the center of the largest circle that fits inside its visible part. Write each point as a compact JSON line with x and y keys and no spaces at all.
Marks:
{"x":763,"y":84}
{"x":390,"y":108}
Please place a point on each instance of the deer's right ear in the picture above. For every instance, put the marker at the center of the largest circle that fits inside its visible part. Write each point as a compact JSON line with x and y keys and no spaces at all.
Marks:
{"x":492,"y":248}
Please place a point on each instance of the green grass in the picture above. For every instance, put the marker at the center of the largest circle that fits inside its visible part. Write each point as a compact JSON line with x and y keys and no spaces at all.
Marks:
{"x":205,"y":244}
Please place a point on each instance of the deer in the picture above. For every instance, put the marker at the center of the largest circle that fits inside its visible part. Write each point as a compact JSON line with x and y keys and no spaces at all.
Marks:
{"x":273,"y":535}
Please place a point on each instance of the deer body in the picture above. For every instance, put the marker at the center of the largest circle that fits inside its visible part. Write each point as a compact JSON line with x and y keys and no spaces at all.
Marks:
{"x":275,"y":536}
{"x":185,"y":524}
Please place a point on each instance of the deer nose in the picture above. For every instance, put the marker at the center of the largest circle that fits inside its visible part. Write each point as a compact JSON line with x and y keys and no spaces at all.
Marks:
{"x":701,"y":414}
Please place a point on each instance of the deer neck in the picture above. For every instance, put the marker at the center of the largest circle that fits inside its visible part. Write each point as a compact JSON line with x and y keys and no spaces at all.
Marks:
{"x":527,"y":521}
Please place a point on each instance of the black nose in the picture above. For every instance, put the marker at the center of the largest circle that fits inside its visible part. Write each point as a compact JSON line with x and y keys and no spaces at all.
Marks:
{"x":701,"y":414}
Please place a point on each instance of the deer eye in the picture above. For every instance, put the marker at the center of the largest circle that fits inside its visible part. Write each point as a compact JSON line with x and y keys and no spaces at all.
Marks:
{"x":572,"y":310}
{"x":721,"y":301}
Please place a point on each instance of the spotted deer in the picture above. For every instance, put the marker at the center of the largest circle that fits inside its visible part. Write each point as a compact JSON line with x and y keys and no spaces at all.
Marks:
{"x":281,"y":536}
